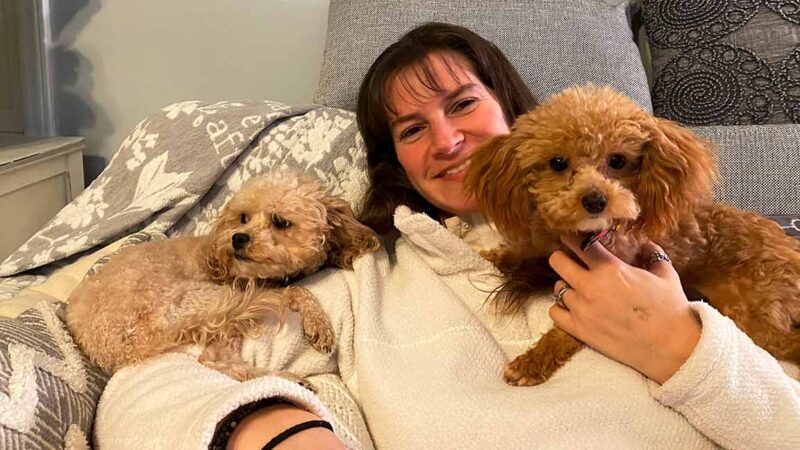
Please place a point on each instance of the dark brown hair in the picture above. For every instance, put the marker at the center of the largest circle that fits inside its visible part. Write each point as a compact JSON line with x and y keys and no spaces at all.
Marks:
{"x":389,"y":186}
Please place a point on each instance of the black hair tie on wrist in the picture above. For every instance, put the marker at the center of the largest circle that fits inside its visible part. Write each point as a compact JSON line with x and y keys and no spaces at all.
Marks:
{"x":231,"y":421}
{"x":289,"y":432}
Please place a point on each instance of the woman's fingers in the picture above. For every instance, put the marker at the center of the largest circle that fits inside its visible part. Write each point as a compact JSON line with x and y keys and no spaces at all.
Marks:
{"x":656,"y":261}
{"x":593,"y":256}
{"x":637,"y":315}
{"x":560,"y":312}
{"x":568,"y":269}
{"x":652,"y":257}
{"x":563,"y":319}
{"x":560,"y":291}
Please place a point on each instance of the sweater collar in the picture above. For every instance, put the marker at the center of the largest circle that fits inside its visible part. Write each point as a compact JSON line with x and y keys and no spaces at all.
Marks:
{"x":444,"y":252}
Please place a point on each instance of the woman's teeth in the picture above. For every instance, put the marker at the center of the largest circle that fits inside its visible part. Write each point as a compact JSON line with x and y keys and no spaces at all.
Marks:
{"x":458,"y":169}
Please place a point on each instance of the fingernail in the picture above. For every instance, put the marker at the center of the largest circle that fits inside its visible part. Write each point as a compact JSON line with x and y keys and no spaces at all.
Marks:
{"x":590,"y":240}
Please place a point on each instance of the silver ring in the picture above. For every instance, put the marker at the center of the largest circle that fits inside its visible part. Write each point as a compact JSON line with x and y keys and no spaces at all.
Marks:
{"x":558,"y":297}
{"x":657,"y":255}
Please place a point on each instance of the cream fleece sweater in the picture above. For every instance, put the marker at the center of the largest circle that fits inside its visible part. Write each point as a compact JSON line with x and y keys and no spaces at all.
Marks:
{"x":420,"y":354}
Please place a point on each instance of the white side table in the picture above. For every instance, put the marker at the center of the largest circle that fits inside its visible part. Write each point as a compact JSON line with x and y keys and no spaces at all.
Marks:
{"x":38,"y":176}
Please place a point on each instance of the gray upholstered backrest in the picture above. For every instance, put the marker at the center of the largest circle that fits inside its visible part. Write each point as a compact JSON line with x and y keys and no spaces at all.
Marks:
{"x":552,"y":43}
{"x":760,"y":166}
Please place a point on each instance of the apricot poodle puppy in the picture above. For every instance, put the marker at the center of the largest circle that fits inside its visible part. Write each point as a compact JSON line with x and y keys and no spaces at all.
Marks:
{"x":215,"y":290}
{"x":590,"y":159}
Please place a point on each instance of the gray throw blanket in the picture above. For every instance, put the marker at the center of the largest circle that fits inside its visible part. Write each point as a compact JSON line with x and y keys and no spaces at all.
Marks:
{"x":177,"y":168}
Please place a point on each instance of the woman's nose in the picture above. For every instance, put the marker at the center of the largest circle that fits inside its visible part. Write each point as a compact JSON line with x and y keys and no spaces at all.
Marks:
{"x":447,"y":138}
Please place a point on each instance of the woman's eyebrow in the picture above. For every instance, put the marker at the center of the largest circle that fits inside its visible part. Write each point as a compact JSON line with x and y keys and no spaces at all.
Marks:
{"x":448,"y":97}
{"x":461,"y":89}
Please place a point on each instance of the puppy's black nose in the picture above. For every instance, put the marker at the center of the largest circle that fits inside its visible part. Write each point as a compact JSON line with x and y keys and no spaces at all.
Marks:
{"x":239,"y":240}
{"x":594,"y":202}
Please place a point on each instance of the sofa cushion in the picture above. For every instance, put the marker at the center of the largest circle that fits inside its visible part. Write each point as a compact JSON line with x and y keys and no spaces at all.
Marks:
{"x":552,"y":43}
{"x":759,"y":166}
{"x":725,"y":63}
{"x":48,"y":390}
{"x":45,"y":380}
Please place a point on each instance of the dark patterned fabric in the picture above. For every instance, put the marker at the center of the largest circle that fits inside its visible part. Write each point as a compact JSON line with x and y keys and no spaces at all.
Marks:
{"x":790,"y":224}
{"x":725,"y":62}
{"x":789,"y":77}
{"x":48,"y":389}
{"x":788,"y":9}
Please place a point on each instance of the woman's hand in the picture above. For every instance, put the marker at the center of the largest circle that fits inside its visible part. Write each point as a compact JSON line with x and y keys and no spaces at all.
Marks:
{"x":638,"y":317}
{"x":262,"y":425}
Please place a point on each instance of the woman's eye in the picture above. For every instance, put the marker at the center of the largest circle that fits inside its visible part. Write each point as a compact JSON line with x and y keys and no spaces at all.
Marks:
{"x":463,"y":104}
{"x":243,"y":218}
{"x":617,"y":161}
{"x":280,"y":222}
{"x":559,"y":164}
{"x":410,"y":132}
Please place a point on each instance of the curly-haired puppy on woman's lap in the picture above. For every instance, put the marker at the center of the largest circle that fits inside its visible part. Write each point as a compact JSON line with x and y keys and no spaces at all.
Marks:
{"x":214,"y":290}
{"x":590,"y":159}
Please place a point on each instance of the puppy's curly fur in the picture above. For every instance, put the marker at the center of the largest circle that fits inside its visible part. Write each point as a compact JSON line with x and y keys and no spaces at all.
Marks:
{"x":589,"y":158}
{"x":214,"y":290}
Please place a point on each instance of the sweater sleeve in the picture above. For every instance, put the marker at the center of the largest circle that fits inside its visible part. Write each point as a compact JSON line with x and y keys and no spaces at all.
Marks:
{"x":732,"y":390}
{"x":175,"y":402}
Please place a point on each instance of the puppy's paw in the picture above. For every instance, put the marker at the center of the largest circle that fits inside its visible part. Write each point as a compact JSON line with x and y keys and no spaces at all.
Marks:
{"x":542,"y":360}
{"x":537,"y":365}
{"x":521,"y":372}
{"x":319,"y":334}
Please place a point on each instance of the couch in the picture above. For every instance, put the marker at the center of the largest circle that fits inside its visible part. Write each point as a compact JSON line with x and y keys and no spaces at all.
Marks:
{"x":707,"y":68}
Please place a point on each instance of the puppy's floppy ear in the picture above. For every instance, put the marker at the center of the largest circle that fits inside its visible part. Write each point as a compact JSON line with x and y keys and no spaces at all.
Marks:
{"x":678,"y":171}
{"x":216,"y":248}
{"x":348,"y":238}
{"x":496,"y":179}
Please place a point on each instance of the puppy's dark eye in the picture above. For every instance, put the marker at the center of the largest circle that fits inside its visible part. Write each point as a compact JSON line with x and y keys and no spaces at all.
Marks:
{"x":617,"y":161}
{"x":243,"y":218}
{"x":280,"y":222}
{"x":559,"y":164}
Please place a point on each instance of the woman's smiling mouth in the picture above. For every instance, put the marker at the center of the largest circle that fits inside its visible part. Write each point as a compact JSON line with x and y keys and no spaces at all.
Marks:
{"x":460,"y":169}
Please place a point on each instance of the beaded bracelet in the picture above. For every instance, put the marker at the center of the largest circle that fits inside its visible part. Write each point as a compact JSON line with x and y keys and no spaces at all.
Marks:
{"x":229,"y":423}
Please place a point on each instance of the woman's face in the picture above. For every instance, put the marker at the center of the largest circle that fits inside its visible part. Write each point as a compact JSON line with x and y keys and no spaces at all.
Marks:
{"x":435,"y":131}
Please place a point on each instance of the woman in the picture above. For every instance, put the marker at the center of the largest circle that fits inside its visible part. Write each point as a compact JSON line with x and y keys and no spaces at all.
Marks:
{"x":420,"y":351}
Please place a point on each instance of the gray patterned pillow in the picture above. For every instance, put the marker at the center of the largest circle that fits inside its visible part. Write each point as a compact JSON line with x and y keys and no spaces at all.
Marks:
{"x":725,"y":62}
{"x":324,"y":143}
{"x":552,"y":43}
{"x":48,"y":389}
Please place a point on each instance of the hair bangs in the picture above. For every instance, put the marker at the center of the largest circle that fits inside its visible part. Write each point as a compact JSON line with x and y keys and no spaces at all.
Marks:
{"x":419,"y":81}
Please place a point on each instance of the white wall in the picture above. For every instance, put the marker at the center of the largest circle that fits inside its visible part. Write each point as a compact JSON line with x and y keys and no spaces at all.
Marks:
{"x":116,"y":61}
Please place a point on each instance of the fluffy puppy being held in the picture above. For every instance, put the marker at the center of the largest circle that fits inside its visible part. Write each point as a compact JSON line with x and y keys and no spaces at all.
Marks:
{"x":590,"y":159}
{"x":217,"y":289}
